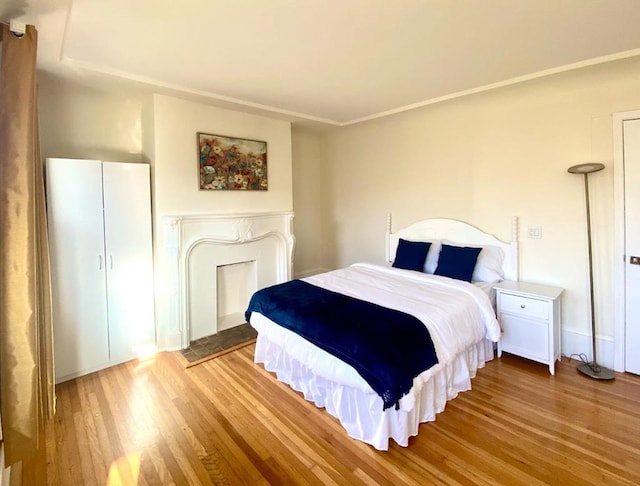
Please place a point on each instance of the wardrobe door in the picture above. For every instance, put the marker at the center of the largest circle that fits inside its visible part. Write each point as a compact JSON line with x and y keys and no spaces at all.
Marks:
{"x":76,"y":236}
{"x":127,"y":218}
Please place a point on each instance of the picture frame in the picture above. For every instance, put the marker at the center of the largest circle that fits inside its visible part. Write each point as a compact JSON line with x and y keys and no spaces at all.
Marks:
{"x":231,"y":163}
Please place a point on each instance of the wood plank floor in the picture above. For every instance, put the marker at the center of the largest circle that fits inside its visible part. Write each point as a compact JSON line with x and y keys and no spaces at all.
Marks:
{"x":227,"y":421}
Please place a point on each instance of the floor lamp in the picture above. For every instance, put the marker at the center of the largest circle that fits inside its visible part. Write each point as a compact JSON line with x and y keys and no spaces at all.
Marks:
{"x":593,"y":369}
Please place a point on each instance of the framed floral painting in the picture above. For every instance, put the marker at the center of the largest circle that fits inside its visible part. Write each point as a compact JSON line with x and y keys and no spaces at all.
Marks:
{"x":228,"y":163}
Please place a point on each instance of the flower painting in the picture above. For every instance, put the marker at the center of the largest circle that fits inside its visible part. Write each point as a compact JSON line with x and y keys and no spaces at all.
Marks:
{"x":232,"y":163}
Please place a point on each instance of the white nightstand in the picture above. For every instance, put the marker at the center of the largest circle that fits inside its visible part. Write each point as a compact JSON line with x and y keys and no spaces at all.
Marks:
{"x":529,"y":315}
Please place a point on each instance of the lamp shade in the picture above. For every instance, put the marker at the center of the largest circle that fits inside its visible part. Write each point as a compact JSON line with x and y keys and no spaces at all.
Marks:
{"x":587,"y":168}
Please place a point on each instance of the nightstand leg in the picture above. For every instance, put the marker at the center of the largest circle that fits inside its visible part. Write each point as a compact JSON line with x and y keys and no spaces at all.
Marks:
{"x":499,"y":349}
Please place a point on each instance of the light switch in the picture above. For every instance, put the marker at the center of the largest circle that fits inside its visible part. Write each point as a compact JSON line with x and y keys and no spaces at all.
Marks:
{"x":534,"y":232}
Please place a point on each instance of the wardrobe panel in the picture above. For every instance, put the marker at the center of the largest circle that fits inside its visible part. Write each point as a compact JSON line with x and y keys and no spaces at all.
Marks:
{"x":74,"y":208}
{"x":127,"y":217}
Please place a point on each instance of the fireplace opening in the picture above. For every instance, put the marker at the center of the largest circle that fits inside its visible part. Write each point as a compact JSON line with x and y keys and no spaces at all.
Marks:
{"x":237,"y":282}
{"x":220,"y":294}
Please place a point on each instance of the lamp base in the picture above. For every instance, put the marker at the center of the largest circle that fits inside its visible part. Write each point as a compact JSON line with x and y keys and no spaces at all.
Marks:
{"x":594,"y":370}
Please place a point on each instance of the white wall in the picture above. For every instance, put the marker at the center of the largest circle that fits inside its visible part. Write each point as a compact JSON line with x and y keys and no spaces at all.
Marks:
{"x":311,"y":179}
{"x":82,"y":122}
{"x":485,"y":158}
{"x":172,"y":149}
{"x":176,"y":123}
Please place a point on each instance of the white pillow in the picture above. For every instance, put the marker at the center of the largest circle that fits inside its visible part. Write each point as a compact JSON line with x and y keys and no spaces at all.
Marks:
{"x":431,"y":263}
{"x":489,"y":265}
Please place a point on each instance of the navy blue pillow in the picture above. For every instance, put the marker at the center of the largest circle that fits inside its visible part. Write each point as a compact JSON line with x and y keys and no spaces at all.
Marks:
{"x":457,"y":262}
{"x":411,"y":255}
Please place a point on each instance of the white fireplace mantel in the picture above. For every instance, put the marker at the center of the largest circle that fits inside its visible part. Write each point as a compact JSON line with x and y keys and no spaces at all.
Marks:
{"x":193,"y":241}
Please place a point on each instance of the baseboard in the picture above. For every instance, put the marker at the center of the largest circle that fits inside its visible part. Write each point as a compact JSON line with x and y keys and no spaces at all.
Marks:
{"x":309,"y":273}
{"x":576,"y":342}
{"x":170,"y":341}
{"x":230,"y":320}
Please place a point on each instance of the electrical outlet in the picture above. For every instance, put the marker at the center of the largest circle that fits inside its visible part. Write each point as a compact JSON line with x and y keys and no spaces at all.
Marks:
{"x":534,"y":232}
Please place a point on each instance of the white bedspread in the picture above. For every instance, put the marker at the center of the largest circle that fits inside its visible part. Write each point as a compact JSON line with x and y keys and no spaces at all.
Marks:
{"x":458,"y":315}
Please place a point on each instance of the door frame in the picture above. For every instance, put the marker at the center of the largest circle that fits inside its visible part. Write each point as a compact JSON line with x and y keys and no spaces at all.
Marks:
{"x":619,"y":324}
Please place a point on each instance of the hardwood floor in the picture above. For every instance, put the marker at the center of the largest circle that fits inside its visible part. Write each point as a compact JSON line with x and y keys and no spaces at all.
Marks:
{"x":227,"y":421}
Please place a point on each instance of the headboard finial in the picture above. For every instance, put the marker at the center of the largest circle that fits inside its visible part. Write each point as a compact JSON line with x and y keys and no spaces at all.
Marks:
{"x":387,"y":245}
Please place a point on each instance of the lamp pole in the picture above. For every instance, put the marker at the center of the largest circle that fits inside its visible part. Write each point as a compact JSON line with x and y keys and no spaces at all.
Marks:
{"x":593,"y":369}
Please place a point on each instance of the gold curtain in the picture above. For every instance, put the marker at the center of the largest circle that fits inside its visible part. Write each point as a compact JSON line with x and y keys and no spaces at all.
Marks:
{"x":26,"y":357}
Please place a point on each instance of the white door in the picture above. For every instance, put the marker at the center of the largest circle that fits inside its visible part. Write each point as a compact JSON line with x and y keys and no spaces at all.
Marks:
{"x":74,"y":206}
{"x":631,"y":131}
{"x":129,"y":255}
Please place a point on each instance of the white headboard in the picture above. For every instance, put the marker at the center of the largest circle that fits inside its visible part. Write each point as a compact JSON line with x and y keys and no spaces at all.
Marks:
{"x":459,"y":232}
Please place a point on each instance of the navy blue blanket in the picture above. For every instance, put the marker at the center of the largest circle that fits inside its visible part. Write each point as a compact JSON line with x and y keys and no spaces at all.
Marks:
{"x":388,"y":348}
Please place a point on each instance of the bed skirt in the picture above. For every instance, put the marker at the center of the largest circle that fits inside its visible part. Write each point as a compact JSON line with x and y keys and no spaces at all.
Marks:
{"x":360,"y":412}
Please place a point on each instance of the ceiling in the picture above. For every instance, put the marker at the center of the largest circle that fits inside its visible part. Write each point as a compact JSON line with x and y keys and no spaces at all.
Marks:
{"x":331,"y":61}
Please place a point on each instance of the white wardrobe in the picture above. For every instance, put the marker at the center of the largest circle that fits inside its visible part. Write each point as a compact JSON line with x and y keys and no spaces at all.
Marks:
{"x":99,"y":216}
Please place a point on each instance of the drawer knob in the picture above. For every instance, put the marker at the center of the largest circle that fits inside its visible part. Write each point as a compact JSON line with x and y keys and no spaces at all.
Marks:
{"x":522,"y":306}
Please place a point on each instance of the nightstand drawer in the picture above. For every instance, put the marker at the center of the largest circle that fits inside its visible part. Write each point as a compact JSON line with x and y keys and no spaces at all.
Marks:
{"x":524,"y":306}
{"x":525,"y":337}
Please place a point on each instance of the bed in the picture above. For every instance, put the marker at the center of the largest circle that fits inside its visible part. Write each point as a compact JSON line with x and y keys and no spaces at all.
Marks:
{"x":458,"y":314}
